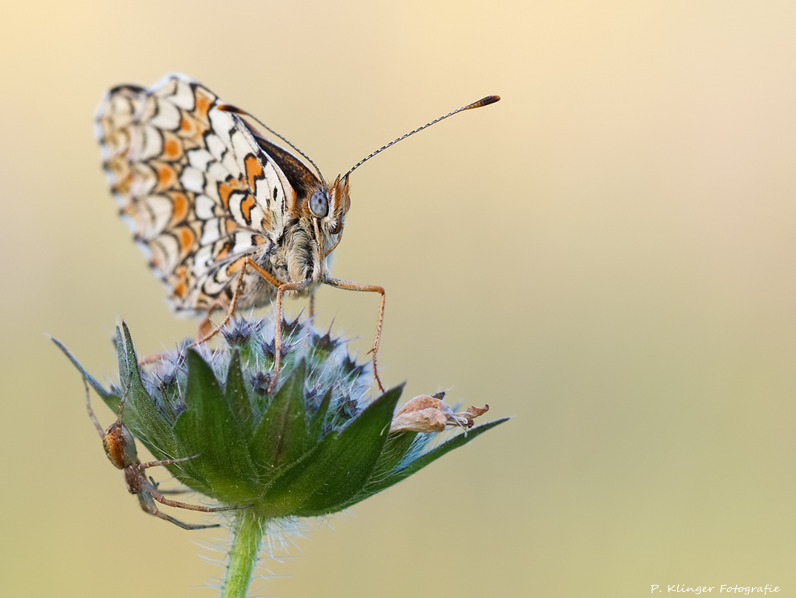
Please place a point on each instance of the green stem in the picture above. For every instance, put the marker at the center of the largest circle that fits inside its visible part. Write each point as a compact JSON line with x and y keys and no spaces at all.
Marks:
{"x":247,"y":533}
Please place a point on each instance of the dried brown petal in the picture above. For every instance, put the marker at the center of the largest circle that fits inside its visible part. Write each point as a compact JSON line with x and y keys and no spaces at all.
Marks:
{"x":431,"y":414}
{"x":470,"y":415}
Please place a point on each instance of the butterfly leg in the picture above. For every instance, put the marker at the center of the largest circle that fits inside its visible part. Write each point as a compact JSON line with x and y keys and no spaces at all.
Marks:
{"x":368,"y":288}
{"x":312,"y":306}
{"x":206,"y":325}
{"x":205,"y":333}
{"x":280,"y":289}
{"x":292,"y":286}
{"x":230,"y":312}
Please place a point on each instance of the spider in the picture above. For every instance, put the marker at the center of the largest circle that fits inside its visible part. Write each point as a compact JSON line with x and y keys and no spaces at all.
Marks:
{"x":120,"y":448}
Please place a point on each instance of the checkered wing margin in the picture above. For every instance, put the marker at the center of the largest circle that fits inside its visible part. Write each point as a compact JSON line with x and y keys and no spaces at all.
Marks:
{"x":198,"y":192}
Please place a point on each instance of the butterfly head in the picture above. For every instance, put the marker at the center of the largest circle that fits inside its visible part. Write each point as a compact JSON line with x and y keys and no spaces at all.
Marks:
{"x":327,"y":206}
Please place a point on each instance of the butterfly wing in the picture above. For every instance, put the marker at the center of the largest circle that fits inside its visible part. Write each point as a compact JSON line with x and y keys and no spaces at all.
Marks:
{"x":198,"y":192}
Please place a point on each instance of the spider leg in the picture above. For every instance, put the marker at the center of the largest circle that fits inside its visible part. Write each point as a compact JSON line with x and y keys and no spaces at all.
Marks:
{"x":182,"y":505}
{"x":149,"y":464}
{"x":148,"y":505}
{"x":91,"y":411}
{"x":183,"y":525}
{"x":156,"y":486}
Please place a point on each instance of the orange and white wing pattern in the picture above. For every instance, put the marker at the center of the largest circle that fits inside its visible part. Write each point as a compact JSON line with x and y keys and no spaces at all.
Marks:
{"x":198,"y":192}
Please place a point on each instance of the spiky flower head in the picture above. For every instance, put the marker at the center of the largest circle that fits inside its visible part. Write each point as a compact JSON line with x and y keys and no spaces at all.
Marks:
{"x":315,"y":446}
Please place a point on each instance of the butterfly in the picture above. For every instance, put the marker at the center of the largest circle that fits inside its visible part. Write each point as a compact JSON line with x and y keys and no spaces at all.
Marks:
{"x":228,"y":217}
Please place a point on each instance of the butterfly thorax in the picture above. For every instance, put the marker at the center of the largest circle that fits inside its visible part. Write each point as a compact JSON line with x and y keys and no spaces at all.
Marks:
{"x":297,"y":255}
{"x":313,"y":228}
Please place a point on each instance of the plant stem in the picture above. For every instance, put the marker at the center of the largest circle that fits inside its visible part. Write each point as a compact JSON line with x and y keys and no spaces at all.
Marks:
{"x":247,"y":531}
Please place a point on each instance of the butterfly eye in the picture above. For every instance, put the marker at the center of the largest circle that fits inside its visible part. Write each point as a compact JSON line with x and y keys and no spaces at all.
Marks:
{"x":318,"y":204}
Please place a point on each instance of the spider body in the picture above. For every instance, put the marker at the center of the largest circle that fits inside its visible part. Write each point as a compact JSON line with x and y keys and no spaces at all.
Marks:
{"x":120,"y":448}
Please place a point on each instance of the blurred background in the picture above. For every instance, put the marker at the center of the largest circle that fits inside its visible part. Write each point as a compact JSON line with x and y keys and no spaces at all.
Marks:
{"x":607,"y":255}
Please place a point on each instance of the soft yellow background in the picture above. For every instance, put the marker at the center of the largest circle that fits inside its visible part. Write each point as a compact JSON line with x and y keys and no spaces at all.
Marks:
{"x":608,"y":255}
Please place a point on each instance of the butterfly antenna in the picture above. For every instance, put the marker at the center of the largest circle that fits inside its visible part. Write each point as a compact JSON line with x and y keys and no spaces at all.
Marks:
{"x":482,"y":102}
{"x":236,"y":110}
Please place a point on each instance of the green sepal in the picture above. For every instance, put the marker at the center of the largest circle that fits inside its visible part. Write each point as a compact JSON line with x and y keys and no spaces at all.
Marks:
{"x":316,"y":425}
{"x":335,"y":470}
{"x":121,"y":358}
{"x":140,"y":414}
{"x":250,"y":352}
{"x":379,"y":483}
{"x":236,"y":393}
{"x":395,"y":451}
{"x":98,"y":388}
{"x":320,"y":347}
{"x":280,"y":437}
{"x":207,"y":428}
